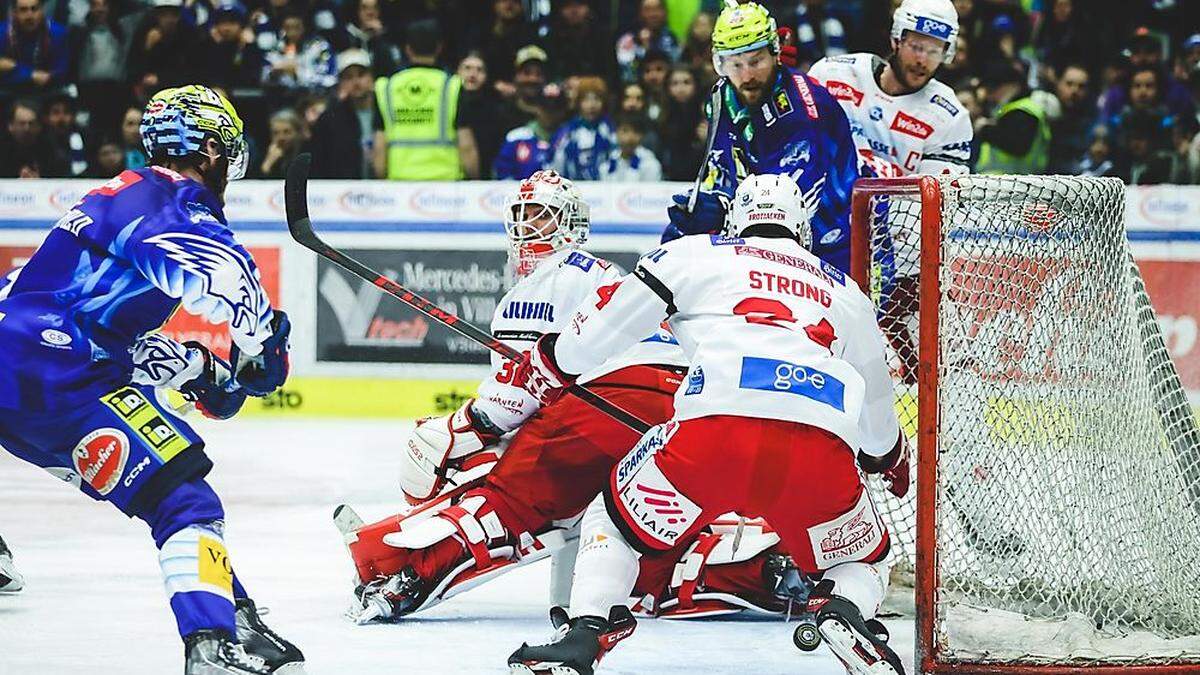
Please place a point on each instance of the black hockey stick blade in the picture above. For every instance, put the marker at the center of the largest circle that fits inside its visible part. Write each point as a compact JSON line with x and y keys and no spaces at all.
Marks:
{"x":716,"y":102}
{"x":295,"y":200}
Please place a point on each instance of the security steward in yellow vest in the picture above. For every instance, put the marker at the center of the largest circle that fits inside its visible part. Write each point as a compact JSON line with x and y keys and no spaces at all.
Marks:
{"x":419,"y":107}
{"x":1018,"y":140}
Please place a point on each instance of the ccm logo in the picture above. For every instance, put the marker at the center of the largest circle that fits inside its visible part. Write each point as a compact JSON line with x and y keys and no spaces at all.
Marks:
{"x":907,"y":124}
{"x":844,"y":92}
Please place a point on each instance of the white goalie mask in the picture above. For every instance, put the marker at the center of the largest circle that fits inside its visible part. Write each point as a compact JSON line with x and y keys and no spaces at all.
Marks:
{"x":769,"y":199}
{"x":935,"y":18}
{"x":546,"y":215}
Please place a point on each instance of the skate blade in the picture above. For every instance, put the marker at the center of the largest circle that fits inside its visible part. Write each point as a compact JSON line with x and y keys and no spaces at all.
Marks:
{"x":293,"y":668}
{"x":843,"y":643}
{"x":522,"y":669}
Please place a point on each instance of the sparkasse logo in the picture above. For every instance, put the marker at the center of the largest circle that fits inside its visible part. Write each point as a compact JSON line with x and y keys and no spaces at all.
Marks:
{"x":907,"y":124}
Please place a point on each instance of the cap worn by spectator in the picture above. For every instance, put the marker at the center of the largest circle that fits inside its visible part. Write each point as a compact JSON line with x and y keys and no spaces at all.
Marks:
{"x":1193,"y":42}
{"x":229,"y":10}
{"x":530,"y":53}
{"x":353,"y":57}
{"x":178,"y":4}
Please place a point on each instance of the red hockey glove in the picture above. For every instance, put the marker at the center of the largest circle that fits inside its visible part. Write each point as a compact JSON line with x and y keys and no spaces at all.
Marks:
{"x":788,"y":55}
{"x":512,"y":395}
{"x":892,"y":467}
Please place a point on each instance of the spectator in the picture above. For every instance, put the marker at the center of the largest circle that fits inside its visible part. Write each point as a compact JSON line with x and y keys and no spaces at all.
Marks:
{"x":1063,"y":38}
{"x":481,"y":109}
{"x":1100,"y":159}
{"x":427,"y":138}
{"x":64,"y":137}
{"x":365,"y":31}
{"x":131,"y":138}
{"x":101,"y":45}
{"x":300,"y":60}
{"x":1145,"y":51}
{"x":1071,"y":133}
{"x":576,"y":45}
{"x":1017,"y":138}
{"x":584,"y":142}
{"x":1150,"y":163}
{"x":25,"y":151}
{"x":109,"y":160}
{"x":347,"y":136}
{"x":960,"y":71}
{"x":529,"y":147}
{"x":508,"y":34}
{"x":310,"y":107}
{"x":819,"y":33}
{"x":34,"y":53}
{"x":163,"y":50}
{"x":634,"y":101}
{"x":652,"y":74}
{"x":229,"y":52}
{"x":650,"y":34}
{"x":630,"y":161}
{"x":287,"y":137}
{"x":1189,"y":58}
{"x":523,"y":94}
{"x":681,"y":114}
{"x":697,"y":50}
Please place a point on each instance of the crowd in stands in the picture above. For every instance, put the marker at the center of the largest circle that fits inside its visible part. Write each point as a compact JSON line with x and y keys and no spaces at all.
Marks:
{"x":597,"y":89}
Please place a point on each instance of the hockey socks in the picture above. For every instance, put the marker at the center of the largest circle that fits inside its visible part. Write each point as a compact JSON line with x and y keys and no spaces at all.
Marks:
{"x":199,"y":579}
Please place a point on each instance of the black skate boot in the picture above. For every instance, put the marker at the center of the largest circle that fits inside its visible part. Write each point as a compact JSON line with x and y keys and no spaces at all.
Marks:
{"x":388,"y":599}
{"x":211,"y":652}
{"x":793,"y":586}
{"x":281,"y":656}
{"x":860,"y":645}
{"x":579,"y":645}
{"x":11,"y":580}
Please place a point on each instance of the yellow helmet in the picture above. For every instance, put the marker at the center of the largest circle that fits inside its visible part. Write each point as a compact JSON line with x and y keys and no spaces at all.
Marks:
{"x":177,"y":120}
{"x":744,"y":28}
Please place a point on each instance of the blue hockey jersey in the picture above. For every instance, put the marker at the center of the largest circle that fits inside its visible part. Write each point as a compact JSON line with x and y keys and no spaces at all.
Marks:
{"x":112,"y":269}
{"x":799,"y":130}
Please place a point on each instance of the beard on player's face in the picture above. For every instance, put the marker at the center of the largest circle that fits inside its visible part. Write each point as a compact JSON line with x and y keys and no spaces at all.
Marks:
{"x":912,"y":75}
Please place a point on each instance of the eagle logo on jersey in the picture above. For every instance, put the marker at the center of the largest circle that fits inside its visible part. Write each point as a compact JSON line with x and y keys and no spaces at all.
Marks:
{"x":223,"y":274}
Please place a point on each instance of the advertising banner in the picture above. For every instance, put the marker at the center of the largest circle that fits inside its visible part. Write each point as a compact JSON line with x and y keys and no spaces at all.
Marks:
{"x":1174,"y":288}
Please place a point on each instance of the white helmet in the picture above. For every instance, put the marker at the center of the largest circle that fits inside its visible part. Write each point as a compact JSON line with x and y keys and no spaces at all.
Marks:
{"x":935,"y":18}
{"x":769,"y":199}
{"x":546,"y":215}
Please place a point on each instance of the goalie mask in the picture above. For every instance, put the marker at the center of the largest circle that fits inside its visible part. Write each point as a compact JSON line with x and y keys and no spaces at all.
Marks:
{"x":769,"y":199}
{"x":547,"y":215}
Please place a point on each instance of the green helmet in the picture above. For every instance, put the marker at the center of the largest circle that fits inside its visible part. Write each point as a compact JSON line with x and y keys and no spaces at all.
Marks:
{"x":177,"y":120}
{"x":743,"y":28}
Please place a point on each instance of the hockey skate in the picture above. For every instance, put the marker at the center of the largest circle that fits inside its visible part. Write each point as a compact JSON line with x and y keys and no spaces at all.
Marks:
{"x":281,"y":657}
{"x":210,"y":652}
{"x":577,"y":647}
{"x":860,"y":645}
{"x":390,"y":598}
{"x":11,"y":580}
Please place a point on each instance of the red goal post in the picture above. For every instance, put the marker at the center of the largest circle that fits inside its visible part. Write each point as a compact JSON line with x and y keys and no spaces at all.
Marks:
{"x":1048,"y":256}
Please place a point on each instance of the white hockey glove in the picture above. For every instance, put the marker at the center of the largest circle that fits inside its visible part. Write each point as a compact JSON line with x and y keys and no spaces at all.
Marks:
{"x":440,"y":446}
{"x":512,"y":395}
{"x":893,"y":467}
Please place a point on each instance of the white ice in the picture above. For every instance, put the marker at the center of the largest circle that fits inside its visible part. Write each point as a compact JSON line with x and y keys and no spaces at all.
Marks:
{"x":94,"y":601}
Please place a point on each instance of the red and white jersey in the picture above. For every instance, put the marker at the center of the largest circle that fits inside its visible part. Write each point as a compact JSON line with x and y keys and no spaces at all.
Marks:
{"x":925,"y":132}
{"x":770,"y":330}
{"x":544,"y":301}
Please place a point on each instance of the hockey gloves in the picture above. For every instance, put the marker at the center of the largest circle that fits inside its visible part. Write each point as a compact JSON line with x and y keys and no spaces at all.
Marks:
{"x":441,"y":446}
{"x":262,"y":374}
{"x":707,"y":218}
{"x":892,"y":467}
{"x":788,"y":54}
{"x":214,"y":390}
{"x":512,"y":395}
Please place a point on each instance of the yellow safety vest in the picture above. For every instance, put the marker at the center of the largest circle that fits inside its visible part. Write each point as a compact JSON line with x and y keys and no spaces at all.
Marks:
{"x":419,"y":106}
{"x":993,"y":160}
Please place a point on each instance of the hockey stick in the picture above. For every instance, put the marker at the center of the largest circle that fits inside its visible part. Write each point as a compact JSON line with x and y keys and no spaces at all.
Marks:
{"x":295,"y":197}
{"x":716,"y":103}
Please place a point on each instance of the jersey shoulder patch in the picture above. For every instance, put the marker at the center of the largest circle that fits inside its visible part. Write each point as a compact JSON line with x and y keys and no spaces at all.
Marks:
{"x":582,"y":260}
{"x":724,"y":240}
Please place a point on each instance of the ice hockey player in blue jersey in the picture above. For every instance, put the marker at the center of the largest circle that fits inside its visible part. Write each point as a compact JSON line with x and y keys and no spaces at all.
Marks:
{"x":85,"y":367}
{"x":773,"y":119}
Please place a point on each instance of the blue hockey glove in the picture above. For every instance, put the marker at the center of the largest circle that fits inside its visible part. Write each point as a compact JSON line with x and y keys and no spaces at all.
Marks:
{"x":707,"y":218}
{"x":214,"y":390}
{"x":263,"y":374}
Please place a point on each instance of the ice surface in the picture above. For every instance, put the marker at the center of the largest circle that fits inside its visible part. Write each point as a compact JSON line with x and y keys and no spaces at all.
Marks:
{"x":94,"y":601}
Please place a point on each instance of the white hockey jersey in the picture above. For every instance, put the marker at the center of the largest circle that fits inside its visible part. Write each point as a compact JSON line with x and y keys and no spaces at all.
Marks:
{"x":544,"y":301}
{"x":771,"y":331}
{"x":925,"y":132}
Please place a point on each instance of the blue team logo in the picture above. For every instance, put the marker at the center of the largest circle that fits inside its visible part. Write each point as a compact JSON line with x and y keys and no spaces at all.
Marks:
{"x":943,"y":103}
{"x":580,"y":260}
{"x":518,"y":309}
{"x":724,"y":240}
{"x":222,"y":273}
{"x":876,"y":113}
{"x":695,"y":383}
{"x":792,"y":378}
{"x":798,"y":155}
{"x":833,"y":272}
{"x":933,"y":28}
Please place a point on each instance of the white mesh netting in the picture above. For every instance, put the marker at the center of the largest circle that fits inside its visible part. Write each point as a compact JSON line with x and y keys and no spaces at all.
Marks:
{"x":1068,"y":497}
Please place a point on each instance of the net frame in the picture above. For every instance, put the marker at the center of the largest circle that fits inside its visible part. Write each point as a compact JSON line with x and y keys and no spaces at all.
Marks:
{"x":927,"y":190}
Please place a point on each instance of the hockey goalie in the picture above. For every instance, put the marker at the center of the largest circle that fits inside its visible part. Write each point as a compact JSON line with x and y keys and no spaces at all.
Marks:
{"x":483,"y":505}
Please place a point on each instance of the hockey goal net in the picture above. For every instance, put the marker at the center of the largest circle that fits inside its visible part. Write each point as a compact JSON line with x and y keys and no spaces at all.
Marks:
{"x":1055,"y":520}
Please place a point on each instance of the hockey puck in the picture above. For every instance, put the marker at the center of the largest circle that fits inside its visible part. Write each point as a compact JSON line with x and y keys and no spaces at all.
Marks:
{"x":806,"y":637}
